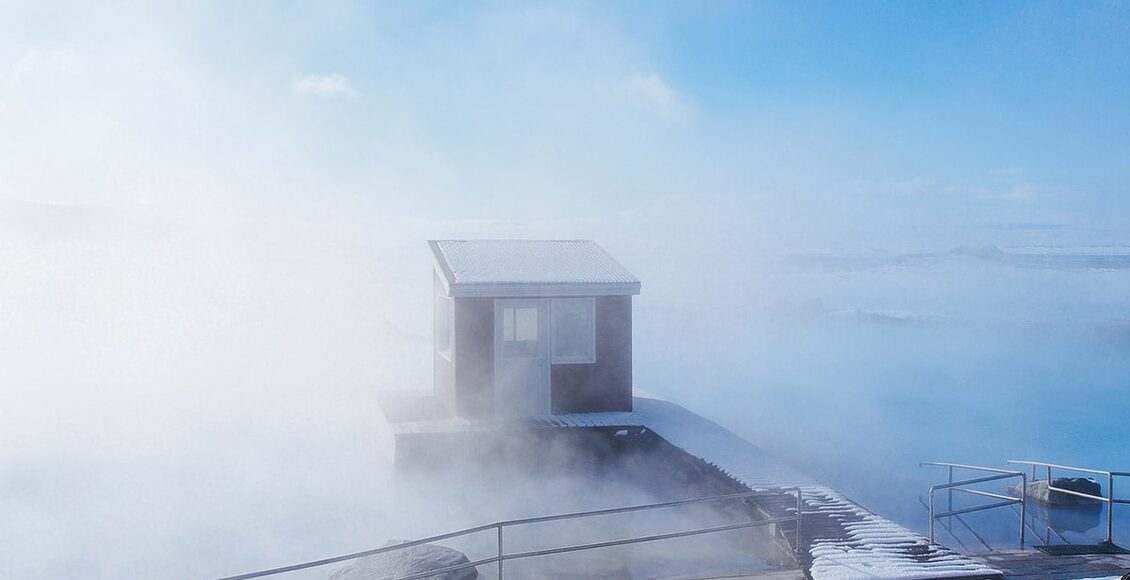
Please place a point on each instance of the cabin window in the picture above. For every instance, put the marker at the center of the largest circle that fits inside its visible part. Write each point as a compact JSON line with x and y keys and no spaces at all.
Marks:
{"x":443,"y":325}
{"x":574,"y":330}
{"x":520,"y":332}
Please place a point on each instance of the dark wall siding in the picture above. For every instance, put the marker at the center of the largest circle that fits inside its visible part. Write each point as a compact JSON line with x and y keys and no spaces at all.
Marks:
{"x":467,"y":384}
{"x":605,"y":385}
{"x":474,"y":356}
{"x":443,"y":370}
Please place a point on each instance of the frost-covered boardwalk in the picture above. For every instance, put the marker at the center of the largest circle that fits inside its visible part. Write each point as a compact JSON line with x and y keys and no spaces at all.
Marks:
{"x":840,"y":539}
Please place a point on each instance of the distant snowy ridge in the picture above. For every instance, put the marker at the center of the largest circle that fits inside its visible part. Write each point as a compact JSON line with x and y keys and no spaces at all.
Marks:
{"x":1047,"y":257}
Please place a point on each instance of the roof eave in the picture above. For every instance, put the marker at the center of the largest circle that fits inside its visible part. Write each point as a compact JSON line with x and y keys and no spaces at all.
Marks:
{"x":504,"y":290}
{"x":447,"y":277}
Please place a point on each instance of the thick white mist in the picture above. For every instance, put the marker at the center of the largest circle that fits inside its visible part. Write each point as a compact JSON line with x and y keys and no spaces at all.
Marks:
{"x":210,"y":275}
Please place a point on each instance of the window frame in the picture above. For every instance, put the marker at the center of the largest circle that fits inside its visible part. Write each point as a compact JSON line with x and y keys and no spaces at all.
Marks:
{"x":590,"y":310}
{"x":520,"y":351}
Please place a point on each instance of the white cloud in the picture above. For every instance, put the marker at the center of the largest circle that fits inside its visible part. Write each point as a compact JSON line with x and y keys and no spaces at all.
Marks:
{"x":657,"y":95}
{"x":332,"y":85}
{"x":54,"y":62}
{"x":1018,"y":192}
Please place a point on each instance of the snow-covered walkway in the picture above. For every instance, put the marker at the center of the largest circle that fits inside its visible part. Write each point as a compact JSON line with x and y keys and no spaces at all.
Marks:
{"x":840,"y":539}
{"x":844,"y":540}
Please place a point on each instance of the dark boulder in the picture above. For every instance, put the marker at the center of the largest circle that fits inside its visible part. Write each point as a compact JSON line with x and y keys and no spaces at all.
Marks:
{"x":1039,"y":491}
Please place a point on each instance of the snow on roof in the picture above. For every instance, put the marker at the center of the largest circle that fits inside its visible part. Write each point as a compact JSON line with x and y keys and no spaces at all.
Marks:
{"x":530,"y":268}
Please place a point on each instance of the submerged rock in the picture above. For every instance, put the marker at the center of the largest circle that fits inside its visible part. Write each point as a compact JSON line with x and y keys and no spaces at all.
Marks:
{"x":406,"y":562}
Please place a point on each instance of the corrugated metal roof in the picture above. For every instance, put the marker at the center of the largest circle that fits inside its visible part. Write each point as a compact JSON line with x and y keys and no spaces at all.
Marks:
{"x":501,"y":267}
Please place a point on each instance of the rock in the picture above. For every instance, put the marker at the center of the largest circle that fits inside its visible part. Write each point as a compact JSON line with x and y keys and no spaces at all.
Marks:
{"x":1039,"y":491}
{"x":406,"y":562}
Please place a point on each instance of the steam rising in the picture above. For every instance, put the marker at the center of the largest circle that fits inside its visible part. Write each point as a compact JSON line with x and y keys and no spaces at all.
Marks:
{"x":209,"y":278}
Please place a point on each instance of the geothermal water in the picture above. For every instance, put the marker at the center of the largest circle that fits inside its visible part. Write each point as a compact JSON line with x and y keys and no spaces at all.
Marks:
{"x":873,"y":368}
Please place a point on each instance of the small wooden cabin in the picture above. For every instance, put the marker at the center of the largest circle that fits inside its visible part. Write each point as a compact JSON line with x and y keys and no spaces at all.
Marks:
{"x":531,"y":327}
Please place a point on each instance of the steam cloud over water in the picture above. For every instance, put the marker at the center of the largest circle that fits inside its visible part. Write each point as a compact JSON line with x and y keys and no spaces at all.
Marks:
{"x":206,"y":399}
{"x":213,"y":263}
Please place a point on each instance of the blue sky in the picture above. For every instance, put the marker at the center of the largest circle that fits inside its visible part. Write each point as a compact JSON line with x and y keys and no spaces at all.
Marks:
{"x":878,"y":114}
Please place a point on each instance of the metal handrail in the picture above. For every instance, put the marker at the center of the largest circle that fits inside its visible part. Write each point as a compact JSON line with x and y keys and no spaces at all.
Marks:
{"x":967,"y":466}
{"x":1109,"y":499}
{"x":502,"y":556}
{"x":1035,"y":464}
{"x":984,"y":493}
{"x":593,"y":546}
{"x":959,"y":486}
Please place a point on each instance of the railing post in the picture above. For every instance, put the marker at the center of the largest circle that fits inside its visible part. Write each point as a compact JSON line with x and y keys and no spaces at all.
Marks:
{"x":798,"y":518}
{"x":499,"y":551}
{"x":931,"y":507}
{"x":950,"y":493}
{"x":1023,"y":503}
{"x":1109,"y":508}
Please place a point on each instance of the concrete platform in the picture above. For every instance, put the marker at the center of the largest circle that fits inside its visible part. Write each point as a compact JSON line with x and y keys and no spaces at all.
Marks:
{"x":1032,"y":564}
